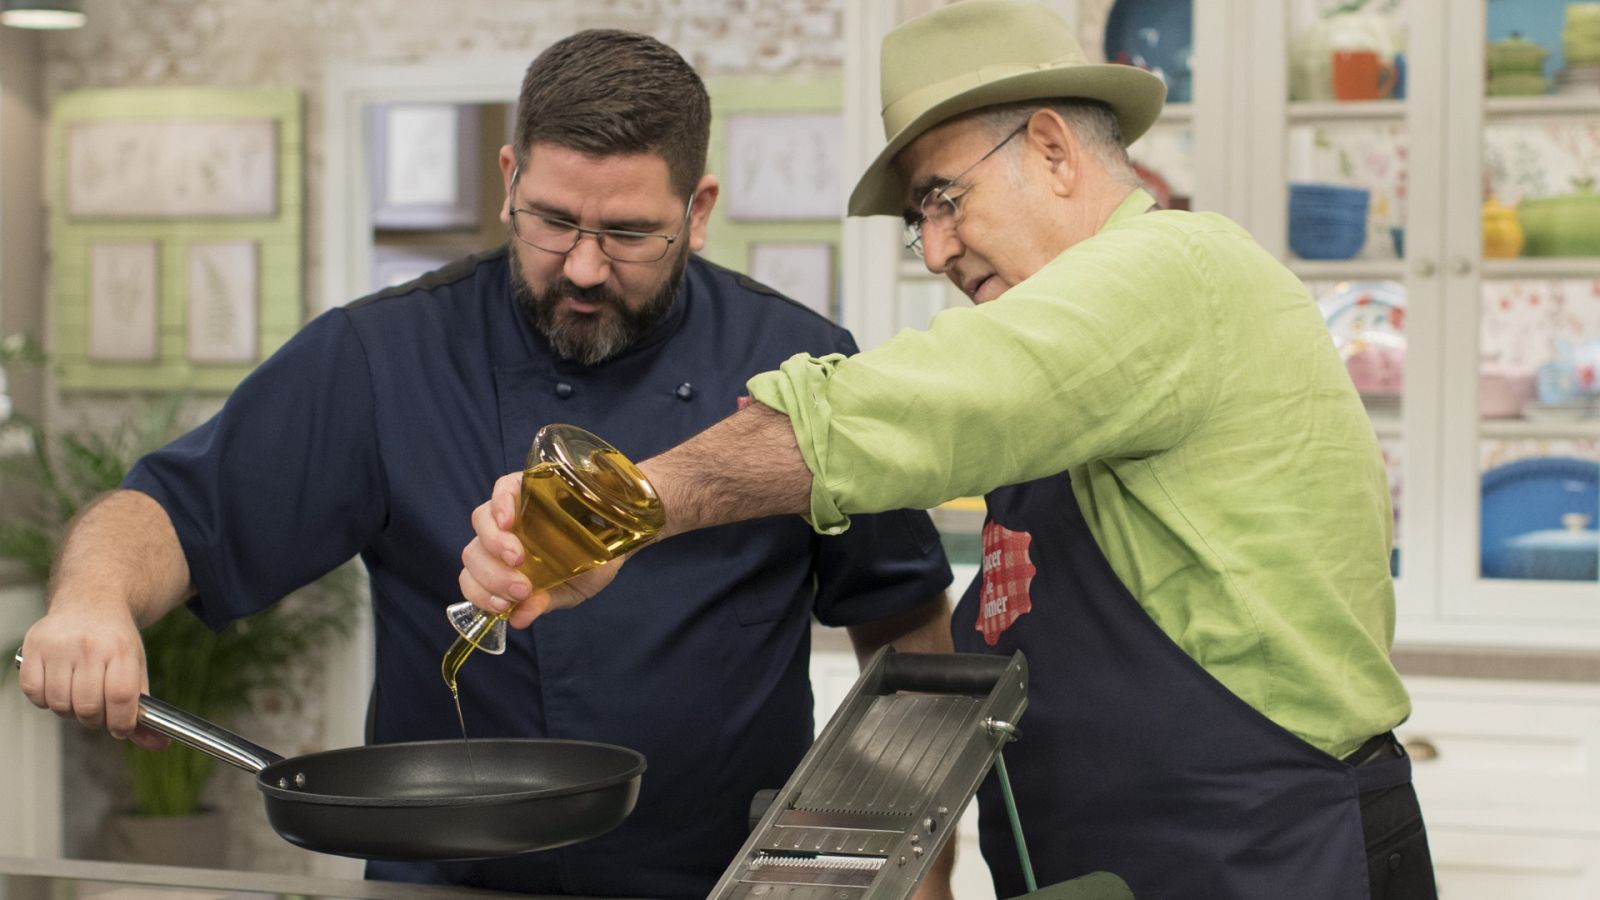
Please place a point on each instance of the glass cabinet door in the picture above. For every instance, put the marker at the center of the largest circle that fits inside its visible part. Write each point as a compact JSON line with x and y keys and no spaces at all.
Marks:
{"x":1422,"y":140}
{"x":1347,"y":186}
{"x":1538,"y":305}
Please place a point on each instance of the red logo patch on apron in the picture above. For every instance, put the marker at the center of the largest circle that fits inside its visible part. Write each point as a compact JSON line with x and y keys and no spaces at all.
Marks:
{"x":1007,"y":573}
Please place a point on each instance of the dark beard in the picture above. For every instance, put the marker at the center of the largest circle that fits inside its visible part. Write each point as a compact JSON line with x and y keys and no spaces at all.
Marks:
{"x":590,"y":338}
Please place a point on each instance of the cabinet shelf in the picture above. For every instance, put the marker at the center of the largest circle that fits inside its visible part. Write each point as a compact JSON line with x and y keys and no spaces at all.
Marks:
{"x":1349,"y":269}
{"x":1543,"y":267}
{"x":1518,"y":107}
{"x":1387,"y":425}
{"x":1574,"y":429}
{"x":1317,"y":112}
{"x":1176,"y":114}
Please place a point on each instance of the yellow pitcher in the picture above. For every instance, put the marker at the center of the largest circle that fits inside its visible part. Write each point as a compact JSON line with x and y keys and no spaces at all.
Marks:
{"x":1502,"y":235}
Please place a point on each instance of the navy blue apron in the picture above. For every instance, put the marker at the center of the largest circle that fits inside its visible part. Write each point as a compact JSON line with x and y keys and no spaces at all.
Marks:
{"x":1132,"y":758}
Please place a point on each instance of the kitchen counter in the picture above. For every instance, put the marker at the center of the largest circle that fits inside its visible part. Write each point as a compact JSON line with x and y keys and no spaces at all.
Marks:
{"x":73,"y":879}
{"x":1434,"y":662}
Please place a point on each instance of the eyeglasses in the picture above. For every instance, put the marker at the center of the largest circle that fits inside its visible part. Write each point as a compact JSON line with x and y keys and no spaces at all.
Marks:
{"x":939,"y":208}
{"x":554,"y":235}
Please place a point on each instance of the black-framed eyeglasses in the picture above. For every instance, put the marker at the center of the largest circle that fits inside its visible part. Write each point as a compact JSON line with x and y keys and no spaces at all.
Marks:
{"x":939,"y":207}
{"x":556,"y":235}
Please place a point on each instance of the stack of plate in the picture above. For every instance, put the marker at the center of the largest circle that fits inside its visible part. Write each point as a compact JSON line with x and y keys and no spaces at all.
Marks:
{"x":1516,"y":67}
{"x":1578,"y":80}
{"x":1367,"y":322}
{"x":1580,"y":44}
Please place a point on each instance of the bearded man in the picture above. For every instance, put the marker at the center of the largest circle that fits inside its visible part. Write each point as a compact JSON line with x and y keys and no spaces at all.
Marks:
{"x":377,"y":429}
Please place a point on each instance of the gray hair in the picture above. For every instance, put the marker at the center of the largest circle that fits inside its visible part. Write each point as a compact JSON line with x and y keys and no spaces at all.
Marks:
{"x":1093,"y":122}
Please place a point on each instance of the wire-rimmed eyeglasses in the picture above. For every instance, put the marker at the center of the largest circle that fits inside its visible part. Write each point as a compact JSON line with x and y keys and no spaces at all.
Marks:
{"x":556,"y":235}
{"x":938,"y":207}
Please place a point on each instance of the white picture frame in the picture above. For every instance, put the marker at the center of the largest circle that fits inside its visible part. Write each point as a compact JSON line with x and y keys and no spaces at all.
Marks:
{"x":223,"y":301}
{"x":802,"y":271}
{"x":124,"y":301}
{"x":172,"y":169}
{"x":785,"y":166}
{"x":425,"y":166}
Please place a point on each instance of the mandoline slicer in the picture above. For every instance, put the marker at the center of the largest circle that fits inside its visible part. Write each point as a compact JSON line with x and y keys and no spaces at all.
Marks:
{"x":881,"y":790}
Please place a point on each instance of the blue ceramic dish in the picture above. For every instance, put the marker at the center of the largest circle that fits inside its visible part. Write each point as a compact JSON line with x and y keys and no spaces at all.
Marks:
{"x":1523,"y":502}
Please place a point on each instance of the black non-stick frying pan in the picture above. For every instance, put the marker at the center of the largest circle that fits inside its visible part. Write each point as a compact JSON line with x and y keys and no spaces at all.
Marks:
{"x":426,"y":800}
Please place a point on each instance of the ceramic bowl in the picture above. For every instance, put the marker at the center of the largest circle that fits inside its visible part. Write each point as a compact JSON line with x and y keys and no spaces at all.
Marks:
{"x":1516,"y":85}
{"x":1327,"y":221}
{"x":1515,"y":54}
{"x":1565,"y":225}
{"x":1578,"y":80}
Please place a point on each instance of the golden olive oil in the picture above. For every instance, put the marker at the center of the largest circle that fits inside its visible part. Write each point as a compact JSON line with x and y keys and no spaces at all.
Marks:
{"x":472,"y":766}
{"x":565,"y":531}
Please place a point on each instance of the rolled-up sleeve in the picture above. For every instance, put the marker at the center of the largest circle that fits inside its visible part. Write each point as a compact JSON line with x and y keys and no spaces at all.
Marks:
{"x":1110,"y":350}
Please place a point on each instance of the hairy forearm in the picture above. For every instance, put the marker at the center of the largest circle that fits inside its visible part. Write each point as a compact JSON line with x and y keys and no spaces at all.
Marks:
{"x":745,"y":467}
{"x":925,"y":629}
{"x":122,"y":549}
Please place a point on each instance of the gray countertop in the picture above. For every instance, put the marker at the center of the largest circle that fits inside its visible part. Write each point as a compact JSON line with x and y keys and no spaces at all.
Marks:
{"x":58,"y":879}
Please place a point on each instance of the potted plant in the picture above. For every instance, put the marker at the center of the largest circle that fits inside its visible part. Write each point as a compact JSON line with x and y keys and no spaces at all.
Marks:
{"x":214,"y":675}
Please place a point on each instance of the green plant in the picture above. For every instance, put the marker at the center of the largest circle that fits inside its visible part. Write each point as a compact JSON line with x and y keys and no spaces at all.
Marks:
{"x":213,"y":675}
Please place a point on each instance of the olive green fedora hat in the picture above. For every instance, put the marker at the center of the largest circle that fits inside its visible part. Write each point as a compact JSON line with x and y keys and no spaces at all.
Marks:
{"x":979,"y":53}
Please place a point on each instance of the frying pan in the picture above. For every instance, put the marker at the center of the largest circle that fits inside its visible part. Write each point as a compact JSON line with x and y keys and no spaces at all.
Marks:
{"x":423,"y":800}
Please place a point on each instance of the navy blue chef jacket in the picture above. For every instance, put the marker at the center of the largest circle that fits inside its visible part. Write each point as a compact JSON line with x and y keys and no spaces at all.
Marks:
{"x":381,"y":425}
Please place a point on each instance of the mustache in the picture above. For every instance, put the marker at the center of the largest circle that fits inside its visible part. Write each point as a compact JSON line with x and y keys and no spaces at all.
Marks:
{"x":594,"y":293}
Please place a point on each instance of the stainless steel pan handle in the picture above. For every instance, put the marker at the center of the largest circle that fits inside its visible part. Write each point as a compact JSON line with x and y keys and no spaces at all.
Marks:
{"x":201,"y":734}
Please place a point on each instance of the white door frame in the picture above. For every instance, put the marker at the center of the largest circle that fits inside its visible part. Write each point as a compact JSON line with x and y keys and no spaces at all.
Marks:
{"x":346,"y":261}
{"x":347,"y":93}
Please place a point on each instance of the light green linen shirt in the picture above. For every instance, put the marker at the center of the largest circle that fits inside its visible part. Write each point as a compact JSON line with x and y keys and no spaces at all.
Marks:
{"x":1217,"y":448}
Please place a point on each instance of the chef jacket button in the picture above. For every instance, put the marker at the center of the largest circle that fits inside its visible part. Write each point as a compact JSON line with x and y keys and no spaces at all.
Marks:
{"x":685,"y":392}
{"x":1394,"y":861}
{"x":563,"y":390}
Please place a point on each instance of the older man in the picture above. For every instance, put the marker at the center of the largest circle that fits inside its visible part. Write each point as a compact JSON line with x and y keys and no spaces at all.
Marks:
{"x":1188,"y":525}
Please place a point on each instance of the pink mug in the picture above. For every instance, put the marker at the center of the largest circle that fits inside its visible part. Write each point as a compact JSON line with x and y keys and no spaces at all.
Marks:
{"x":1361,"y":75}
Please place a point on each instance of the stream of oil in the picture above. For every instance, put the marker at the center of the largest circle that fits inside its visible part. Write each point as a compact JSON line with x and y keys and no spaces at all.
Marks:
{"x":472,"y":767}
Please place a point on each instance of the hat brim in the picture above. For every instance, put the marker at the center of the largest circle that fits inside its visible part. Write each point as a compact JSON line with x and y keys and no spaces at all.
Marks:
{"x":1134,"y":95}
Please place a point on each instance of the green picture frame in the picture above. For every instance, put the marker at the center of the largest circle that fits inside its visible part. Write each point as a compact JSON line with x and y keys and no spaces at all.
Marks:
{"x":272,"y":225}
{"x":731,"y":242}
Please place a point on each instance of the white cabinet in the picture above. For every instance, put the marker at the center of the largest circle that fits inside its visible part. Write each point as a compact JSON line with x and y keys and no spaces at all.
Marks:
{"x":1491,"y":864}
{"x":1509,"y":778}
{"x":30,"y":744}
